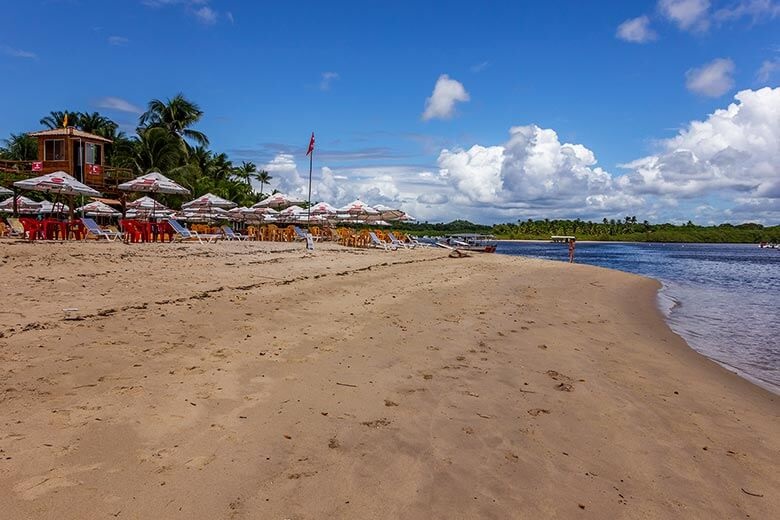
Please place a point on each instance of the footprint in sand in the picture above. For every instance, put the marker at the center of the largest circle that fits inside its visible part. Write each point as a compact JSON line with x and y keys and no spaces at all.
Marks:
{"x":538,"y":411}
{"x":564,"y":382}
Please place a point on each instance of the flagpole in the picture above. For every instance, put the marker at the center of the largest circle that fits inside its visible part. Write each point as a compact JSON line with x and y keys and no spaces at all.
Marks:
{"x":308,"y":209}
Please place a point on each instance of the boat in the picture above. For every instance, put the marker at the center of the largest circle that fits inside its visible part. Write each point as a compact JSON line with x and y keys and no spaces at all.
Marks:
{"x":469,"y":242}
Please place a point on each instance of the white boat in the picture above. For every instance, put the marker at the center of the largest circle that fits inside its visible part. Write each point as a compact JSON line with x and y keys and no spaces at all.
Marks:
{"x":470,"y":242}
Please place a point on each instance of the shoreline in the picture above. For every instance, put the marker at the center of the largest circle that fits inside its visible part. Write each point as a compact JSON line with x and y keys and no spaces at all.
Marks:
{"x":667,"y":304}
{"x":256,"y":380}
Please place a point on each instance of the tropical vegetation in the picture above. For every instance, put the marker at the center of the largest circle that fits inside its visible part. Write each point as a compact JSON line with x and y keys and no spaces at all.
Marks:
{"x":626,"y":230}
{"x":165,"y":140}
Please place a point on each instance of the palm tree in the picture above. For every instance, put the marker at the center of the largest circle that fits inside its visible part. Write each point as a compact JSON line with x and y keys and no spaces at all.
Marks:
{"x":156,"y":149}
{"x":56,"y":119}
{"x":95,"y":123}
{"x":21,"y":147}
{"x":177,"y":115}
{"x":246,"y":171}
{"x":263,"y":178}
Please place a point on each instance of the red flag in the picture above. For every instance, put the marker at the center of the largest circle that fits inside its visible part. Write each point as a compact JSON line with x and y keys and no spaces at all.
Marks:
{"x":311,"y":144}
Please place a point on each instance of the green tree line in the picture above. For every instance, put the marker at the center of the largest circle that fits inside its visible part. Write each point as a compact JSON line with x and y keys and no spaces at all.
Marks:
{"x":626,"y":230}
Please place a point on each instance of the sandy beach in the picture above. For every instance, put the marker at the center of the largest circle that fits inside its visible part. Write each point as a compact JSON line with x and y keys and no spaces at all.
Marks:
{"x":254,"y":380}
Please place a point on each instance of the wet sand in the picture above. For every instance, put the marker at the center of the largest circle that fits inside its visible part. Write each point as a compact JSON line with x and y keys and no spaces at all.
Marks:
{"x":242,"y":380}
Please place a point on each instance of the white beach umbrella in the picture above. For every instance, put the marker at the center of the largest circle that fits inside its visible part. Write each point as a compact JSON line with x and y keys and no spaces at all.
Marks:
{"x":58,"y":182}
{"x":154,"y":182}
{"x":146,"y":203}
{"x":205,"y":214}
{"x":209,"y":200}
{"x":23,"y":205}
{"x":388,"y":213}
{"x":323,"y":208}
{"x":357,"y":208}
{"x":98,"y":209}
{"x":278,"y":200}
{"x":237,"y":214}
{"x":292,"y":210}
{"x":260,"y":214}
{"x":49,"y":207}
{"x":5,"y":192}
{"x":145,"y":213}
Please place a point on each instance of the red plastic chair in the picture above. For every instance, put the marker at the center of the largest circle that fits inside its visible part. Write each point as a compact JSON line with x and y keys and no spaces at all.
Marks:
{"x":32,"y":228}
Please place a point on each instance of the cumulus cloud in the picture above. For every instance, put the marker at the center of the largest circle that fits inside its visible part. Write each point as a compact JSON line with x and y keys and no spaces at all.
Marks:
{"x":441,"y":104}
{"x":636,"y":30}
{"x":711,"y":79}
{"x":689,"y":15}
{"x":735,"y":149}
{"x":119,"y":104}
{"x":327,"y":79}
{"x":532,"y":171}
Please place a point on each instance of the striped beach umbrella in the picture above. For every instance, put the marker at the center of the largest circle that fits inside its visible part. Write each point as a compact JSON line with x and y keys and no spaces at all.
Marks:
{"x":278,"y":201}
{"x":23,"y":205}
{"x":98,"y":209}
{"x":59,"y":183}
{"x":209,"y":200}
{"x":154,"y":182}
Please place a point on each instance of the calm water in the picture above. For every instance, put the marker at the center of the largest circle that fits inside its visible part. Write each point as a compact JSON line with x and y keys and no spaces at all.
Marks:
{"x":723,"y":299}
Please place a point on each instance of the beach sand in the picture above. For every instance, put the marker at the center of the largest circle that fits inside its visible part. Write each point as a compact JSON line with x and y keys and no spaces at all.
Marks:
{"x":242,"y":380}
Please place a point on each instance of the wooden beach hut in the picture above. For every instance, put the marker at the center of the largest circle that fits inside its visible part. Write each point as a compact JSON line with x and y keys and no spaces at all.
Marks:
{"x":75,"y":152}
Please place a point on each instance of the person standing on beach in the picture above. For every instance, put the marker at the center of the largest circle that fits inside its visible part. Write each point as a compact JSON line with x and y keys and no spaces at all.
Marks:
{"x":571,"y":250}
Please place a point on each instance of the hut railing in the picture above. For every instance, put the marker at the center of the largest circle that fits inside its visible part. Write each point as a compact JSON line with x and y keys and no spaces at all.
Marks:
{"x":12,"y":171}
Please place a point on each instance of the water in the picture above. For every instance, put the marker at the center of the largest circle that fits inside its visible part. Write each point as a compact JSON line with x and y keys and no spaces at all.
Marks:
{"x":722,"y":298}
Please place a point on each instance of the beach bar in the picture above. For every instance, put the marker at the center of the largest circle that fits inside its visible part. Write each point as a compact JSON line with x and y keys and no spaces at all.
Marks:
{"x":78,"y":153}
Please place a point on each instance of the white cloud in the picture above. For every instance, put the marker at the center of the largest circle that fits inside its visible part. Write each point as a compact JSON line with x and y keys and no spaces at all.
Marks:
{"x":119,"y":104}
{"x":735,"y":150}
{"x":117,"y":41}
{"x":229,"y":16}
{"x":18,"y":53}
{"x":327,"y":79}
{"x":206,"y":15}
{"x":712,"y":79}
{"x":636,"y":30}
{"x":724,"y":167}
{"x":433,"y":198}
{"x":689,"y":15}
{"x":768,"y":70}
{"x":756,"y":10}
{"x":533,"y":172}
{"x":441,"y":104}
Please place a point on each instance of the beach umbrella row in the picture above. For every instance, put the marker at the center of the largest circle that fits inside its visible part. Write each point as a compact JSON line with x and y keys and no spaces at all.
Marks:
{"x":208,"y":206}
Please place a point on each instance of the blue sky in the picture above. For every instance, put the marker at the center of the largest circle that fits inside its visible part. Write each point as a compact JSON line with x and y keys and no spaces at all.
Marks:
{"x":413,"y":104}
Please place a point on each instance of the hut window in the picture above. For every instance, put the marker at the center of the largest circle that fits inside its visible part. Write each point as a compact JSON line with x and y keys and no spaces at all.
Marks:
{"x":93,"y":153}
{"x":53,"y":150}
